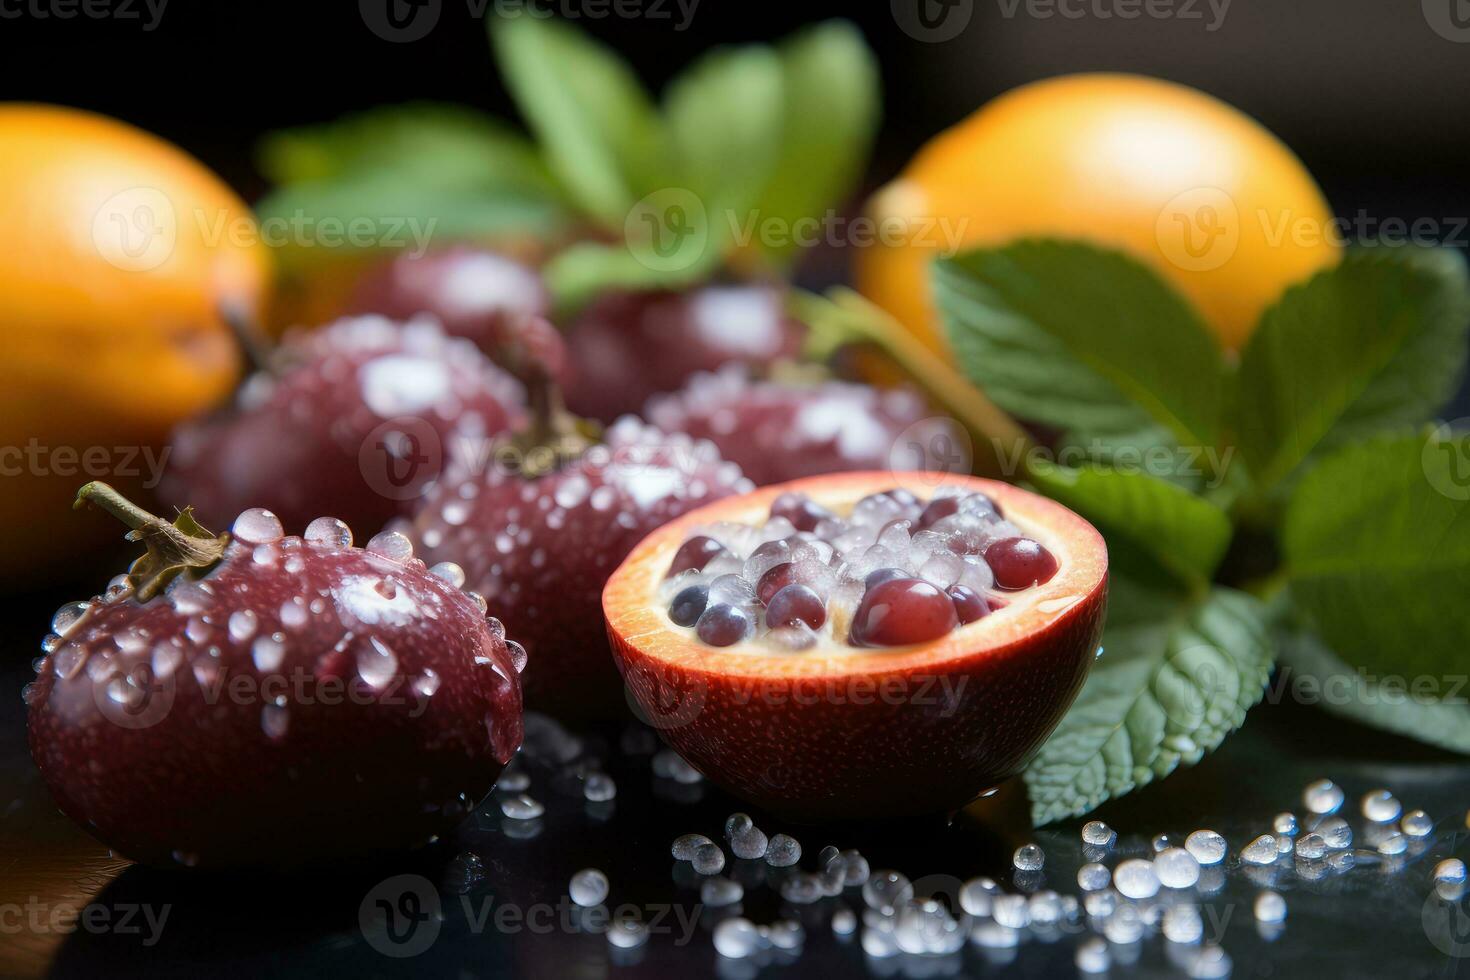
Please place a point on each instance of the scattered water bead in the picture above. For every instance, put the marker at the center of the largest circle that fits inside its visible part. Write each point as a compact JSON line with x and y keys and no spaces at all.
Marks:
{"x":720,"y":891}
{"x":993,"y":935}
{"x":1380,"y":806}
{"x":1207,"y":846}
{"x":1342,"y":861}
{"x":686,"y":845}
{"x":844,"y":922}
{"x":1044,"y":907}
{"x":1335,"y":833}
{"x":1162,"y":842}
{"x":1100,"y":904}
{"x":783,"y":851}
{"x":885,"y":891}
{"x":749,"y":843}
{"x":1092,"y":955}
{"x":1176,"y":868}
{"x":1029,"y":857}
{"x":513,"y":781}
{"x":1393,"y":843}
{"x":329,"y":532}
{"x":588,"y":887}
{"x":879,"y":943}
{"x":802,"y":888}
{"x":1284,"y":825}
{"x":1136,"y":878}
{"x":737,"y":823}
{"x":1097,"y":834}
{"x":1416,"y":823}
{"x":1211,"y":963}
{"x":256,"y":526}
{"x":1011,"y":911}
{"x":856,"y":871}
{"x":708,"y":859}
{"x":521,"y":807}
{"x":1322,"y":797}
{"x":786,"y":934}
{"x":1262,"y":850}
{"x":1124,"y":926}
{"x":1311,"y":847}
{"x":627,"y":933}
{"x":1270,"y":907}
{"x":1450,"y":871}
{"x":977,"y":896}
{"x":1093,"y":877}
{"x":736,"y":938}
{"x":391,"y":545}
{"x":599,"y":788}
{"x":1182,"y":924}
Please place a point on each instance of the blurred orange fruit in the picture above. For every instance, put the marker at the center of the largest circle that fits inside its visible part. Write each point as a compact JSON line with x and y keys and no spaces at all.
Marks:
{"x":120,"y":257}
{"x":1201,"y":192}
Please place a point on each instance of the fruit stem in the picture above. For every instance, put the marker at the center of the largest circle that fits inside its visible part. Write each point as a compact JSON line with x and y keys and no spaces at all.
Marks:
{"x":173,"y":549}
{"x":843,"y":317}
{"x":553,"y":434}
{"x":254,"y":344}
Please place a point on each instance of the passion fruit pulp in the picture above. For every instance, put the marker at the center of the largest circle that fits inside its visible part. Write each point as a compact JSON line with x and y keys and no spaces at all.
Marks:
{"x":844,"y":732}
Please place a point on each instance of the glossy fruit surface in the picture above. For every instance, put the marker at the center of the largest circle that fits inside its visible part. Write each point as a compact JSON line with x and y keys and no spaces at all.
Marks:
{"x":120,"y":256}
{"x":358,"y":419}
{"x":301,"y":701}
{"x":541,"y":549}
{"x":1200,"y":191}
{"x":780,"y":430}
{"x":843,"y":733}
{"x":626,"y":347}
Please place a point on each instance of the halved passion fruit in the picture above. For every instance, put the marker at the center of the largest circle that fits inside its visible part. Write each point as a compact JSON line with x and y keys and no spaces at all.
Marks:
{"x":861,"y":645}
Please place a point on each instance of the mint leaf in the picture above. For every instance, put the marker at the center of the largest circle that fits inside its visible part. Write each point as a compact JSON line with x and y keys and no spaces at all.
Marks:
{"x":1174,"y":678}
{"x":1376,"y":344}
{"x":1083,"y":339}
{"x":831,"y":92}
{"x":1436,"y":716}
{"x":1376,"y":545}
{"x":591,"y":116}
{"x":724,"y":118}
{"x":577,"y":274}
{"x":446,"y":146}
{"x":1150,"y":525}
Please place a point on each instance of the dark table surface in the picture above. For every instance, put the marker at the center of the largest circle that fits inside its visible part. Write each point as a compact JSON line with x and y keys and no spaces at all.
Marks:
{"x":516,"y":920}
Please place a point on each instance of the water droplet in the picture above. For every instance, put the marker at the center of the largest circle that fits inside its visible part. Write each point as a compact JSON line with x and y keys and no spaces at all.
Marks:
{"x":257,"y":526}
{"x":274,"y":720}
{"x":749,"y":843}
{"x":736,"y":938}
{"x":1416,"y":823}
{"x":719,"y":891}
{"x":708,"y":859}
{"x":783,"y":851}
{"x":1322,"y":797}
{"x":1311,"y":847}
{"x":1284,"y":825}
{"x":1262,"y":850}
{"x":449,"y":572}
{"x":588,"y":888}
{"x":391,"y":545}
{"x":518,"y":656}
{"x":1335,"y":833}
{"x":599,"y":788}
{"x":377,"y":665}
{"x":1270,"y":907}
{"x":521,"y":807}
{"x":68,"y":616}
{"x":1092,"y":955}
{"x":1450,"y":871}
{"x":1393,"y":843}
{"x":427,"y":683}
{"x":242,"y":625}
{"x":1207,"y":846}
{"x":267,"y":652}
{"x":886,"y":891}
{"x":684,"y":847}
{"x":844,"y":922}
{"x":1380,"y":806}
{"x":328,"y":532}
{"x":1211,"y":963}
{"x":1029,"y":857}
{"x":1093,"y":877}
{"x":1097,"y":834}
{"x":1183,"y":924}
{"x":627,"y":933}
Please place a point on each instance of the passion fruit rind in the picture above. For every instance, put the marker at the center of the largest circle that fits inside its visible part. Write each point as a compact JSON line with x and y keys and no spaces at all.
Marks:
{"x":847,"y":733}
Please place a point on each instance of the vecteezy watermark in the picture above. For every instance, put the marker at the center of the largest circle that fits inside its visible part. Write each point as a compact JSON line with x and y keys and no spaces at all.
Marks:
{"x":146,"y":12}
{"x":403,"y":21}
{"x":402,"y":917}
{"x":39,"y":917}
{"x":932,"y":21}
{"x":138,"y":229}
{"x":35,"y":458}
{"x":1446,"y":459}
{"x":1210,"y":14}
{"x":1206,"y":466}
{"x":1446,"y":922}
{"x":1450,"y":19}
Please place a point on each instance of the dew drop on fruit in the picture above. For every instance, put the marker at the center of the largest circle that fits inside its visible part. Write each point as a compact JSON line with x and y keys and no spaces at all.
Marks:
{"x":274,"y":720}
{"x":67,"y":661}
{"x":479,"y":601}
{"x":293,"y":613}
{"x":50,"y":642}
{"x":426,"y":683}
{"x":391,"y":545}
{"x":518,"y":655}
{"x":267,"y":652}
{"x":68,"y":616}
{"x":242,"y":625}
{"x":328,"y":532}
{"x":449,"y":572}
{"x":257,"y":526}
{"x":377,"y":665}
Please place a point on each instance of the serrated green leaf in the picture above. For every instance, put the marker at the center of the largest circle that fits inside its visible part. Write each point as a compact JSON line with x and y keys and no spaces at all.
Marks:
{"x":724,"y":117}
{"x":1084,"y":339}
{"x":1376,"y":344}
{"x":831,"y":98}
{"x":1175,"y":677}
{"x":1436,"y":716}
{"x":600,"y":132}
{"x":1150,"y":525}
{"x":1376,"y":543}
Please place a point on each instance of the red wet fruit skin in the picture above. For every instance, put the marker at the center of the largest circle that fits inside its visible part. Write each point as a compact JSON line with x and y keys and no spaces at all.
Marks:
{"x":301,"y":703}
{"x":867,"y":733}
{"x":541,"y":550}
{"x":492,"y":300}
{"x":357,"y":422}
{"x":779,"y":431}
{"x":626,"y":347}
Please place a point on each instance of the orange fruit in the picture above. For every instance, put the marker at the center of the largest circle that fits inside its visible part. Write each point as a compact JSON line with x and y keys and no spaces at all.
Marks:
{"x":1198,"y":190}
{"x":120,"y":255}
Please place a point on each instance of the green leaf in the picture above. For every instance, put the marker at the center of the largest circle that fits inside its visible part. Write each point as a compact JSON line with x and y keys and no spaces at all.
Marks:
{"x":579,"y":273}
{"x":1175,"y":677}
{"x":724,"y":117}
{"x":1437,"y":715}
{"x":1150,"y":525}
{"x":591,"y":116}
{"x":1376,"y":543}
{"x":1376,"y":344}
{"x":1084,"y":339}
{"x":832,"y":94}
{"x":446,"y":146}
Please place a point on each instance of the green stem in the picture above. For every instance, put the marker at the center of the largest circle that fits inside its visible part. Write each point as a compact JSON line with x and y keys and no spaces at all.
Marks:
{"x":184,"y":546}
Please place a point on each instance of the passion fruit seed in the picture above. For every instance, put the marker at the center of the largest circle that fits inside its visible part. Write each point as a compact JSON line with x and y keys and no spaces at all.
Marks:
{"x":693,"y":555}
{"x":689,"y":605}
{"x":793,"y":605}
{"x":901,"y":612}
{"x":723,"y":625}
{"x":1020,"y":563}
{"x":969,"y":605}
{"x":803,"y":512}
